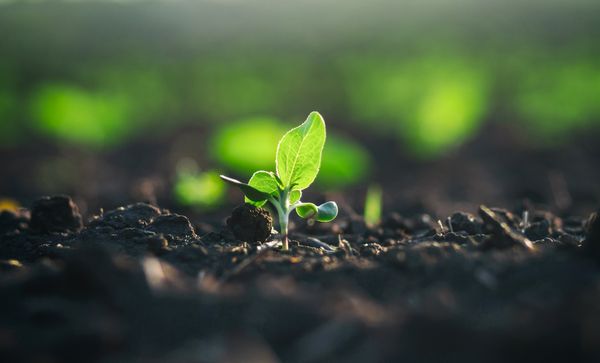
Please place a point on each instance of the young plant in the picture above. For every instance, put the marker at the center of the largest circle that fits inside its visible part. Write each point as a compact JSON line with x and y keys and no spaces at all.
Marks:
{"x":297,"y":164}
{"x":373,"y":205}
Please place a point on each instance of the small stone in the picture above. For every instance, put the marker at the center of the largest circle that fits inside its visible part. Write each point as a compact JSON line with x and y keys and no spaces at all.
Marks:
{"x":137,"y":215}
{"x":569,"y":241}
{"x":465,"y":222}
{"x":55,"y":214}
{"x":251,"y":224}
{"x":538,"y":230}
{"x":174,"y":225}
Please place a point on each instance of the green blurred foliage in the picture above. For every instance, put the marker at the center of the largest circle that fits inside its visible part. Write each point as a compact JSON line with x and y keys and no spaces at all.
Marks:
{"x":248,"y":145}
{"x":115,"y":103}
{"x":558,"y":97}
{"x":433,"y":102}
{"x":226,"y":88}
{"x":251,"y":144}
{"x":74,"y":114}
{"x":98,"y":74}
{"x":10,"y":128}
{"x":344,"y":163}
{"x":373,"y":205}
{"x":203,"y":190}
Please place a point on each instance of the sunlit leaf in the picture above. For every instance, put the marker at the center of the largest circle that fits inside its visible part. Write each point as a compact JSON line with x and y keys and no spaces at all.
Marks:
{"x":299,"y":153}
{"x":307,"y":210}
{"x":265,"y":182}
{"x":295,"y":196}
{"x":250,"y":192}
{"x":325,"y":212}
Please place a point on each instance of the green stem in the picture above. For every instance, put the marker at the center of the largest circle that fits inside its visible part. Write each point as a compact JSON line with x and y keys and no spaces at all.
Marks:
{"x":283,"y":225}
{"x":283,"y":211}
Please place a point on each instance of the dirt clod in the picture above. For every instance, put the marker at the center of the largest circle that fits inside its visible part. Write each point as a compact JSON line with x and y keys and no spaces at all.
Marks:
{"x":137,"y":215}
{"x":55,"y":214}
{"x":251,"y":224}
{"x":373,"y":293}
{"x":174,"y":225}
{"x":465,"y":222}
{"x":538,"y":230}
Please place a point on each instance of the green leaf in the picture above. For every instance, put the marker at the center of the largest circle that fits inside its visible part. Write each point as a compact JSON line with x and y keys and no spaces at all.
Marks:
{"x":295,"y":196}
{"x":299,"y":153}
{"x":265,"y":182}
{"x":326,"y":212}
{"x":250,"y":192}
{"x":307,"y":210}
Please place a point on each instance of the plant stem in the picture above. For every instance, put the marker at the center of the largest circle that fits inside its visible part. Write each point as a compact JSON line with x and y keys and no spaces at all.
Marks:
{"x":283,"y":226}
{"x":283,"y":211}
{"x":284,"y":239}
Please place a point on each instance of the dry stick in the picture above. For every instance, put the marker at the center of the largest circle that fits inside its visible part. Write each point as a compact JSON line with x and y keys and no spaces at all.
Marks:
{"x":449,"y":223}
{"x":441,"y":226}
{"x":525,"y":221}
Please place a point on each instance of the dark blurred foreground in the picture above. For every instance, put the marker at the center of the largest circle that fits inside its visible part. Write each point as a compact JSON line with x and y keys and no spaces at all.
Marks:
{"x":139,"y":284}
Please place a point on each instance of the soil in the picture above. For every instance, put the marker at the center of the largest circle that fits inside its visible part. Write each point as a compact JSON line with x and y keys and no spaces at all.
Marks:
{"x":141,"y":284}
{"x":430,"y":283}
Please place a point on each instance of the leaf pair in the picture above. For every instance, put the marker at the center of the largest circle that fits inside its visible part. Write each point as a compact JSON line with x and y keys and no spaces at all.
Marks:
{"x":325,"y":212}
{"x":297,"y":165}
{"x":269,"y":183}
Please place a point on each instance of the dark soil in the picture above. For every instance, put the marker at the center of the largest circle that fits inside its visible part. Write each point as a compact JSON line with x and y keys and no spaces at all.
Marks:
{"x":431,"y":283}
{"x":141,"y":284}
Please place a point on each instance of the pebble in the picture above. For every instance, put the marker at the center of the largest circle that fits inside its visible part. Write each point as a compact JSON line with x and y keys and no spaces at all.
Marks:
{"x":55,"y":214}
{"x":174,"y":225}
{"x":465,"y":222}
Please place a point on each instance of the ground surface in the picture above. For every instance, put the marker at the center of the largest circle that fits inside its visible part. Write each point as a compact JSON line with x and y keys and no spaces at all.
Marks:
{"x":140,"y":284}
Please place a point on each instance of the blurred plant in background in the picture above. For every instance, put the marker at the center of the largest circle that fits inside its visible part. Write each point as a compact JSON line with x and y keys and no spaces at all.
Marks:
{"x":559,"y":97}
{"x":10,"y":129}
{"x":432,"y":102}
{"x":203,"y":190}
{"x":99,"y":75}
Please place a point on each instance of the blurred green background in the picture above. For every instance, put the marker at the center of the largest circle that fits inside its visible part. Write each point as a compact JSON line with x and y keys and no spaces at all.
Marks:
{"x":89,"y":77}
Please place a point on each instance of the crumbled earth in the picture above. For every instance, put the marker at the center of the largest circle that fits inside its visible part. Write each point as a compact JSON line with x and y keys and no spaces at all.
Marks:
{"x":55,"y":214}
{"x":249,"y":223}
{"x":140,"y":284}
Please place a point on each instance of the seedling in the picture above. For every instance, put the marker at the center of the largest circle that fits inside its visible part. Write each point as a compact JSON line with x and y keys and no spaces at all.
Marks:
{"x":297,"y":164}
{"x":373,"y":205}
